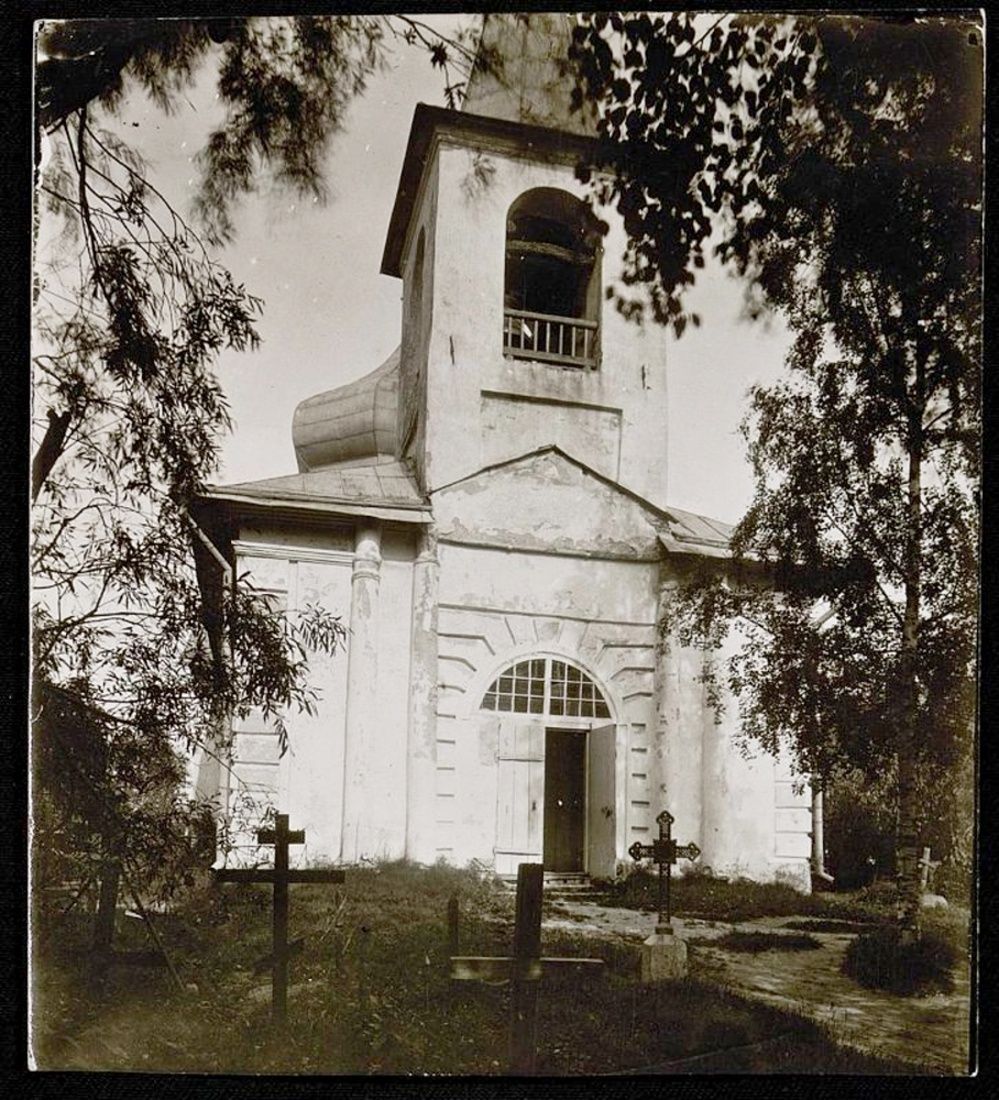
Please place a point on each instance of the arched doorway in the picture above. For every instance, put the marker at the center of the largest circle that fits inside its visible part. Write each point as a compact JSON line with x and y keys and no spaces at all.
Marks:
{"x":555,"y":767}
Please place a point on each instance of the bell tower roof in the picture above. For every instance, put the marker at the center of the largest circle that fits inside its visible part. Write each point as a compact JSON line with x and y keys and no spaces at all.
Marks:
{"x":518,"y":98}
{"x":465,"y":128}
{"x":522,"y":72}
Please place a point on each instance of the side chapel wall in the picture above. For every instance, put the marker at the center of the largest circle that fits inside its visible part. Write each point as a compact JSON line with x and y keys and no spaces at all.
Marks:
{"x":757,"y":811}
{"x":297,"y":567}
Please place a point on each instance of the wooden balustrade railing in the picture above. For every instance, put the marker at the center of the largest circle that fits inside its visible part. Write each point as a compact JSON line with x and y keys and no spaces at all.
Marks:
{"x":571,"y":341}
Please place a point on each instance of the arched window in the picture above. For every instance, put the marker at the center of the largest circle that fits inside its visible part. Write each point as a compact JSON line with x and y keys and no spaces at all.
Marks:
{"x":552,"y":279}
{"x":546,"y":685}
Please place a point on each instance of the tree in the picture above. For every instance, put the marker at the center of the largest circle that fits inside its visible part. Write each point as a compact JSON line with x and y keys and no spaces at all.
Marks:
{"x":839,"y":161}
{"x":137,"y":624}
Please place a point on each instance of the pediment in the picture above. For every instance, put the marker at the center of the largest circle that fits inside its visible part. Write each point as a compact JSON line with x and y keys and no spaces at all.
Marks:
{"x":547,"y":501}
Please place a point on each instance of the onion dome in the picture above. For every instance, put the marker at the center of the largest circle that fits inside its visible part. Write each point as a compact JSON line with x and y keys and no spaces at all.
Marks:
{"x":355,"y":423}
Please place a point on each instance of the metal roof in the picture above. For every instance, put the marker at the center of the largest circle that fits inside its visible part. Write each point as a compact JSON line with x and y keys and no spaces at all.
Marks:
{"x":384,"y":489}
{"x":690,"y":533}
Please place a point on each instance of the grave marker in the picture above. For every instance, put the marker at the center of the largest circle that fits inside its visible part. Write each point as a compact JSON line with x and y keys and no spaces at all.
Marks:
{"x":523,"y":969}
{"x":927,"y":867}
{"x":663,"y":954}
{"x":664,"y":851}
{"x":279,"y":876}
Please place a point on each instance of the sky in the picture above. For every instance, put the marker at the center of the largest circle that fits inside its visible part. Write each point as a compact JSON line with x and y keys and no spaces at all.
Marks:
{"x":330,"y":317}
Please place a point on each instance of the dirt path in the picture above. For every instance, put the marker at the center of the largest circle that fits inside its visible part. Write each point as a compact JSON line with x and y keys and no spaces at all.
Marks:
{"x":930,"y":1030}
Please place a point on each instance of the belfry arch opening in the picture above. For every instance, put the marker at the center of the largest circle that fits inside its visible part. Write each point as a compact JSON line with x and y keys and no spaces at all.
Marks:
{"x":552,"y":279}
{"x":556,"y":767}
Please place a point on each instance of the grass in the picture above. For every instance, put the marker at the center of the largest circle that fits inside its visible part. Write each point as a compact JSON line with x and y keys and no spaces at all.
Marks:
{"x":706,"y":897}
{"x":371,"y":994}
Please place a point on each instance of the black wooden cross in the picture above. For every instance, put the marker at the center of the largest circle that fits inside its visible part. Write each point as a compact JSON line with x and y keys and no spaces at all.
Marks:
{"x":280,"y":876}
{"x":665,"y":851}
{"x":523,"y":969}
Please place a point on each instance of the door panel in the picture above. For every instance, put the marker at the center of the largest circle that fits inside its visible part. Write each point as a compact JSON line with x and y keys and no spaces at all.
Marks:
{"x":600,"y":856}
{"x":519,"y":794}
{"x":564,"y":799}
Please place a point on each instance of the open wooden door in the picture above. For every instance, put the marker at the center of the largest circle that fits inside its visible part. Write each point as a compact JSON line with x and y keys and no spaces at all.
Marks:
{"x":565,"y":799}
{"x":520,"y":792}
{"x":601,"y":857}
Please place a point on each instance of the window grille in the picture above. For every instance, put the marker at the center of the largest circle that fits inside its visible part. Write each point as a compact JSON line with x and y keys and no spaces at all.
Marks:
{"x":545,"y":685}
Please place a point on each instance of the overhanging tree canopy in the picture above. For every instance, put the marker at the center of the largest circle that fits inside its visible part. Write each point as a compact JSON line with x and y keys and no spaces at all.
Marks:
{"x":838,"y":160}
{"x":131,"y":313}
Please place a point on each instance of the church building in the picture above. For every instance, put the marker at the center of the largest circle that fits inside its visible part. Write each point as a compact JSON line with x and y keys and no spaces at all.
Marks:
{"x":488,"y":512}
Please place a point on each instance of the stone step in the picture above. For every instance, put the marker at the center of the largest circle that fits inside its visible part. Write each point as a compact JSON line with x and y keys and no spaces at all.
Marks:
{"x":558,"y":882}
{"x":569,"y":886}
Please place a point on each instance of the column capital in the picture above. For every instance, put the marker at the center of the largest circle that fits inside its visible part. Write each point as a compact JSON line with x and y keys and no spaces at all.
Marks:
{"x":426,"y":544}
{"x":368,"y":538}
{"x":368,"y":549}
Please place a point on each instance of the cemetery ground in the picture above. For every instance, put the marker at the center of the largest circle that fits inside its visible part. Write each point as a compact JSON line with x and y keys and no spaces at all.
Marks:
{"x":370,"y":991}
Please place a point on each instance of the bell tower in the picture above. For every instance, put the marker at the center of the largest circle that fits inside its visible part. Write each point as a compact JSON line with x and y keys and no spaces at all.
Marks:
{"x":509,"y":342}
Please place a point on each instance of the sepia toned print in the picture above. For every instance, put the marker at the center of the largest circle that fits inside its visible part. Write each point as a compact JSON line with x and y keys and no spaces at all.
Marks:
{"x":587,"y":684}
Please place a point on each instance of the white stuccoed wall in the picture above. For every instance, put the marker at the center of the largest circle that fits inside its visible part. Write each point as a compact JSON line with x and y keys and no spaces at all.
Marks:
{"x":498,"y":605}
{"x":385,"y":834}
{"x":754,"y":823}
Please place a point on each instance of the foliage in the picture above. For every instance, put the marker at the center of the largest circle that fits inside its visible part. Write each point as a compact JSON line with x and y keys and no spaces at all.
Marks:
{"x":131,"y":313}
{"x":106,"y":791}
{"x":838,"y":161}
{"x":859,"y":829}
{"x":884,"y":959}
{"x":384,"y":1004}
{"x":285,"y":84}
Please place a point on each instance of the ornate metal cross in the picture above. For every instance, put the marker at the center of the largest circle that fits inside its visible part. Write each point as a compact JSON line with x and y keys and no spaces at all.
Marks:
{"x":665,"y":851}
{"x":280,"y":876}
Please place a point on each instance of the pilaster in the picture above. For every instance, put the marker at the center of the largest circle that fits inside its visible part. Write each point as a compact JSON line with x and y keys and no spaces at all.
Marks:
{"x":362,"y":686}
{"x":421,"y":757}
{"x":675,"y":747}
{"x":662,"y":777}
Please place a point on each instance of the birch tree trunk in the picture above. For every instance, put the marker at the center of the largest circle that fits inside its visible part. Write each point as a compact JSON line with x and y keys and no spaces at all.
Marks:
{"x":906,"y":843}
